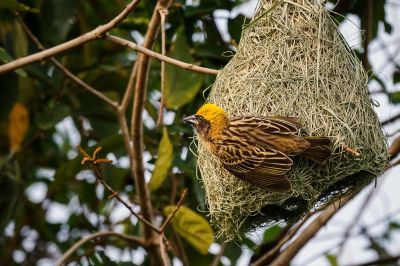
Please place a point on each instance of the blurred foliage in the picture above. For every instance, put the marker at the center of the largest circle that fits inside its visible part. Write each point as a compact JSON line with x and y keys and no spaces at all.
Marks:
{"x":39,"y":166}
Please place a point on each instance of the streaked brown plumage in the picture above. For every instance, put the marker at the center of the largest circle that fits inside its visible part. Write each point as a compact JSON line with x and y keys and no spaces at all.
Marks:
{"x":257,"y":149}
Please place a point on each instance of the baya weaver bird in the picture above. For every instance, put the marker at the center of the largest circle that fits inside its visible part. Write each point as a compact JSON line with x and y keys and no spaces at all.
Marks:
{"x":257,"y":149}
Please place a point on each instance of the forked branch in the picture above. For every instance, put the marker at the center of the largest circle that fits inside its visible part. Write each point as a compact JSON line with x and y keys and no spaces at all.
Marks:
{"x":58,"y":64}
{"x":78,"y":41}
{"x":161,"y":57}
{"x":309,"y":232}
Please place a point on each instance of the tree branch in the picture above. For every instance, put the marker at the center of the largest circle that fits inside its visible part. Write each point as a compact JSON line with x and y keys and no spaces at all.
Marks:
{"x":390,"y":120}
{"x":309,"y":232}
{"x":128,"y":92}
{"x":394,"y":149}
{"x":94,"y":162}
{"x":163,"y":14}
{"x":71,"y":250}
{"x":357,"y":217}
{"x":380,"y":261}
{"x":87,"y":37}
{"x":68,"y":73}
{"x":158,"y":56}
{"x":156,"y":252}
{"x":171,"y":215}
{"x":271,"y":254}
{"x":367,"y":20}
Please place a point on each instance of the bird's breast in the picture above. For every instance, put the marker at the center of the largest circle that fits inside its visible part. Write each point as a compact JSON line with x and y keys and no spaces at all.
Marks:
{"x":211,"y":146}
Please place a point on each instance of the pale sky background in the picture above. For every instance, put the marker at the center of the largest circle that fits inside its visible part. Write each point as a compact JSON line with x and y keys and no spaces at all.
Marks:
{"x":386,"y":200}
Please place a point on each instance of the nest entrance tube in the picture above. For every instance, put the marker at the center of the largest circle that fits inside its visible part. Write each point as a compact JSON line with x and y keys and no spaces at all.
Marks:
{"x":292,"y":61}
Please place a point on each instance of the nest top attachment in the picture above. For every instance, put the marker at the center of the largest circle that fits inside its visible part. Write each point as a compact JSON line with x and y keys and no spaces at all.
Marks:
{"x":292,"y":61}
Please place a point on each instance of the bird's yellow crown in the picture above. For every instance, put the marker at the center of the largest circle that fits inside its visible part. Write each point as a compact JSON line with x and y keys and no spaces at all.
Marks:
{"x":215,"y":115}
{"x":211,"y":112}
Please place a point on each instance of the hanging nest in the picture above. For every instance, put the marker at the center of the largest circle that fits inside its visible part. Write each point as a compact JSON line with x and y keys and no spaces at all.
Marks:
{"x":292,"y":61}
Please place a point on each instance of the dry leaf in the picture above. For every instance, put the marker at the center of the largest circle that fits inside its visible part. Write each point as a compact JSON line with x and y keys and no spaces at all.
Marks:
{"x":18,"y":125}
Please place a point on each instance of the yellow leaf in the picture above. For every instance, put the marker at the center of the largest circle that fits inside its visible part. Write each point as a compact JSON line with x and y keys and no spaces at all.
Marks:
{"x":163,"y":162}
{"x":192,"y":227}
{"x":18,"y":125}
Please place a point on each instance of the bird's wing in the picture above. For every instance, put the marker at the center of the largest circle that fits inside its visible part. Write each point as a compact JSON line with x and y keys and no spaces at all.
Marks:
{"x":263,"y":167}
{"x":273,"y":124}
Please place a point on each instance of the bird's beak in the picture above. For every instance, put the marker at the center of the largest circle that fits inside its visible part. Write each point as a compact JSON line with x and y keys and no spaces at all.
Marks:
{"x":192,"y":119}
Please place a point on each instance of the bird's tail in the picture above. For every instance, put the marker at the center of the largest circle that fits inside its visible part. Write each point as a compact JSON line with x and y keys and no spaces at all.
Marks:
{"x":319,"y":151}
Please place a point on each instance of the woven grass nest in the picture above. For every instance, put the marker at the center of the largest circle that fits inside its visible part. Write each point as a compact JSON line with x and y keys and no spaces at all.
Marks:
{"x":292,"y":61}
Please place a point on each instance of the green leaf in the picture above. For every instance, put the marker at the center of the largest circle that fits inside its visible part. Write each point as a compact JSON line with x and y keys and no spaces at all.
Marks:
{"x":163,"y":162}
{"x":332,"y":259}
{"x":249,"y":243}
{"x":272,"y":233}
{"x":9,"y":83}
{"x":54,"y":113}
{"x":8,"y":4}
{"x":180,"y":85}
{"x":388,"y":27}
{"x":20,"y":41}
{"x":15,"y":5}
{"x":192,"y":227}
{"x":396,"y":77}
{"x":394,"y":226}
{"x":235,"y":27}
{"x":6,"y":57}
{"x":394,"y":97}
{"x":57,"y":19}
{"x":233,"y":251}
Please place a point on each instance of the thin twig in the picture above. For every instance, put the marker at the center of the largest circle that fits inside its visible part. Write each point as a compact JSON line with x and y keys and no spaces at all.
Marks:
{"x":309,"y":232}
{"x":391,"y":165}
{"x":163,"y":252}
{"x":391,"y":56}
{"x":94,"y":161}
{"x":87,"y":37}
{"x":73,"y":248}
{"x":163,"y":58}
{"x":271,"y":254}
{"x":163,"y":14}
{"x":171,"y":215}
{"x":156,"y":252}
{"x":161,"y":238}
{"x":123,"y":124}
{"x":357,"y":217}
{"x":390,"y":120}
{"x":217,"y":258}
{"x":136,"y":155}
{"x":358,"y":233}
{"x":179,"y":249}
{"x":380,"y":261}
{"x":116,"y":195}
{"x":367,"y":23}
{"x":352,"y":151}
{"x":129,"y":90}
{"x":60,"y":66}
